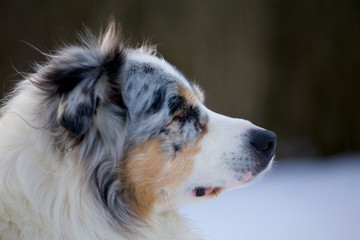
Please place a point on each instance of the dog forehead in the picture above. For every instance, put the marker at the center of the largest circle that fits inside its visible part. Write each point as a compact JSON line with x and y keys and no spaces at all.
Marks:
{"x":147,"y":64}
{"x":147,"y":83}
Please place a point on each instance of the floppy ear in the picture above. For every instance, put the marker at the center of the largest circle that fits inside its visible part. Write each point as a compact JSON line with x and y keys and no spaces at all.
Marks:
{"x":77,"y":107}
{"x":71,"y":78}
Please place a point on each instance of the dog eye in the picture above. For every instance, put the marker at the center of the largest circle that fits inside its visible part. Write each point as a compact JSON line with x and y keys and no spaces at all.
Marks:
{"x":187,"y":114}
{"x":181,"y":117}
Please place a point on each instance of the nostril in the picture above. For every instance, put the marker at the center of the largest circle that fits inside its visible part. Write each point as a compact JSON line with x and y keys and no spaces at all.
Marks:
{"x":270,"y":145}
{"x":265,"y":146}
{"x":263,"y":140}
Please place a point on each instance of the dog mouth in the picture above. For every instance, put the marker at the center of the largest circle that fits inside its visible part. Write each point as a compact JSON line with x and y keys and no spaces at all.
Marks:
{"x":206,"y":191}
{"x":202,"y":191}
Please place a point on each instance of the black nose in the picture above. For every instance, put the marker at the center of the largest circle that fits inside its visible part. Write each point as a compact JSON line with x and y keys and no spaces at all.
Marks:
{"x":264,"y":142}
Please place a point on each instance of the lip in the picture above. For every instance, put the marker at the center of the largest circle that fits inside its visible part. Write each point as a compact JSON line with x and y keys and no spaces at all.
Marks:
{"x":206,"y":191}
{"x":202,"y":191}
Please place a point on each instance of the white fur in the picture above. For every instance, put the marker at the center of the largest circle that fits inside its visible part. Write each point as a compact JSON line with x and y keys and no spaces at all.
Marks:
{"x":41,"y":198}
{"x":46,"y":191}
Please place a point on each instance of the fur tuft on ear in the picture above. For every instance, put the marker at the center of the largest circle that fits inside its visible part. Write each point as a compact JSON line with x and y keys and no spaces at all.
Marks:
{"x":72,"y":77}
{"x":112,"y":46}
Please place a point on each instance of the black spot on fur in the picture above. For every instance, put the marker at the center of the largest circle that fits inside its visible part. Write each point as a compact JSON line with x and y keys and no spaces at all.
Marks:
{"x":112,"y":65}
{"x":76,"y":116}
{"x":164,"y":131}
{"x":66,"y":79}
{"x":159,"y":98}
{"x":176,"y":147}
{"x":175,"y":103}
{"x":148,"y":68}
{"x":76,"y":124}
{"x":97,"y":103}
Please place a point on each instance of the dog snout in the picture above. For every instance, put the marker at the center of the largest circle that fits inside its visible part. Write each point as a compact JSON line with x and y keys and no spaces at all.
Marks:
{"x":263,"y":142}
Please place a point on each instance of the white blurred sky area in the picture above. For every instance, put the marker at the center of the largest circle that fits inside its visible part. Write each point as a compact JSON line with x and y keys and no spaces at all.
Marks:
{"x":297,"y":200}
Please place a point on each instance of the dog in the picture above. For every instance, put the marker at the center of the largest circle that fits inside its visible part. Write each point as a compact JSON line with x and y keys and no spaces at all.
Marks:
{"x":105,"y":141}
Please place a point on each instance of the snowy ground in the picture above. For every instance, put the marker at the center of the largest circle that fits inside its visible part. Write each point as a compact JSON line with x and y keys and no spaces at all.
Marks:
{"x":299,"y":200}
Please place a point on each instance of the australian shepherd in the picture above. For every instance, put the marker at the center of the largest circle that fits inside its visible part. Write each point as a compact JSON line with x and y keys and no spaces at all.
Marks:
{"x":104,"y":141}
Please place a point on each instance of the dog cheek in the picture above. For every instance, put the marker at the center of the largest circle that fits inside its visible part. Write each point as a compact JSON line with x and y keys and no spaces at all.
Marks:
{"x":155,"y":176}
{"x":144,"y":166}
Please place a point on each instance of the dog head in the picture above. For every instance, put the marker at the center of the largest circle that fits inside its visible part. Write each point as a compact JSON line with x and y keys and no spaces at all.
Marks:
{"x":143,"y":133}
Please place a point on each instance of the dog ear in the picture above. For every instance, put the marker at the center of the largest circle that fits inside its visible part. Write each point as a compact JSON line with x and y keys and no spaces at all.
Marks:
{"x":72,"y":76}
{"x":77,"y":107}
{"x":71,"y":80}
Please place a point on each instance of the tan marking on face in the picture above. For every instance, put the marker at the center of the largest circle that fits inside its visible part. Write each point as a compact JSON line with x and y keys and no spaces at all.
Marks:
{"x":190,"y":96}
{"x":151,"y":170}
{"x":199,"y":93}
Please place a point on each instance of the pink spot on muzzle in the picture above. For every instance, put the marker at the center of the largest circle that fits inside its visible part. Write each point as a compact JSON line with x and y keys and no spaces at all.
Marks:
{"x":247,"y":177}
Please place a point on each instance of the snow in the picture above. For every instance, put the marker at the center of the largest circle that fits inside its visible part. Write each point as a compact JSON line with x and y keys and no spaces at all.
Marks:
{"x":297,"y":200}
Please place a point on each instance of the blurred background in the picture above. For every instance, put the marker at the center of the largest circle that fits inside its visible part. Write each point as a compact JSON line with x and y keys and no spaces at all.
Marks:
{"x":289,"y":66}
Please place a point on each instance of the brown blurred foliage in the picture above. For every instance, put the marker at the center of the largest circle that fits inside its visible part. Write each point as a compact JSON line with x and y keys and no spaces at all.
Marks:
{"x":290,"y":66}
